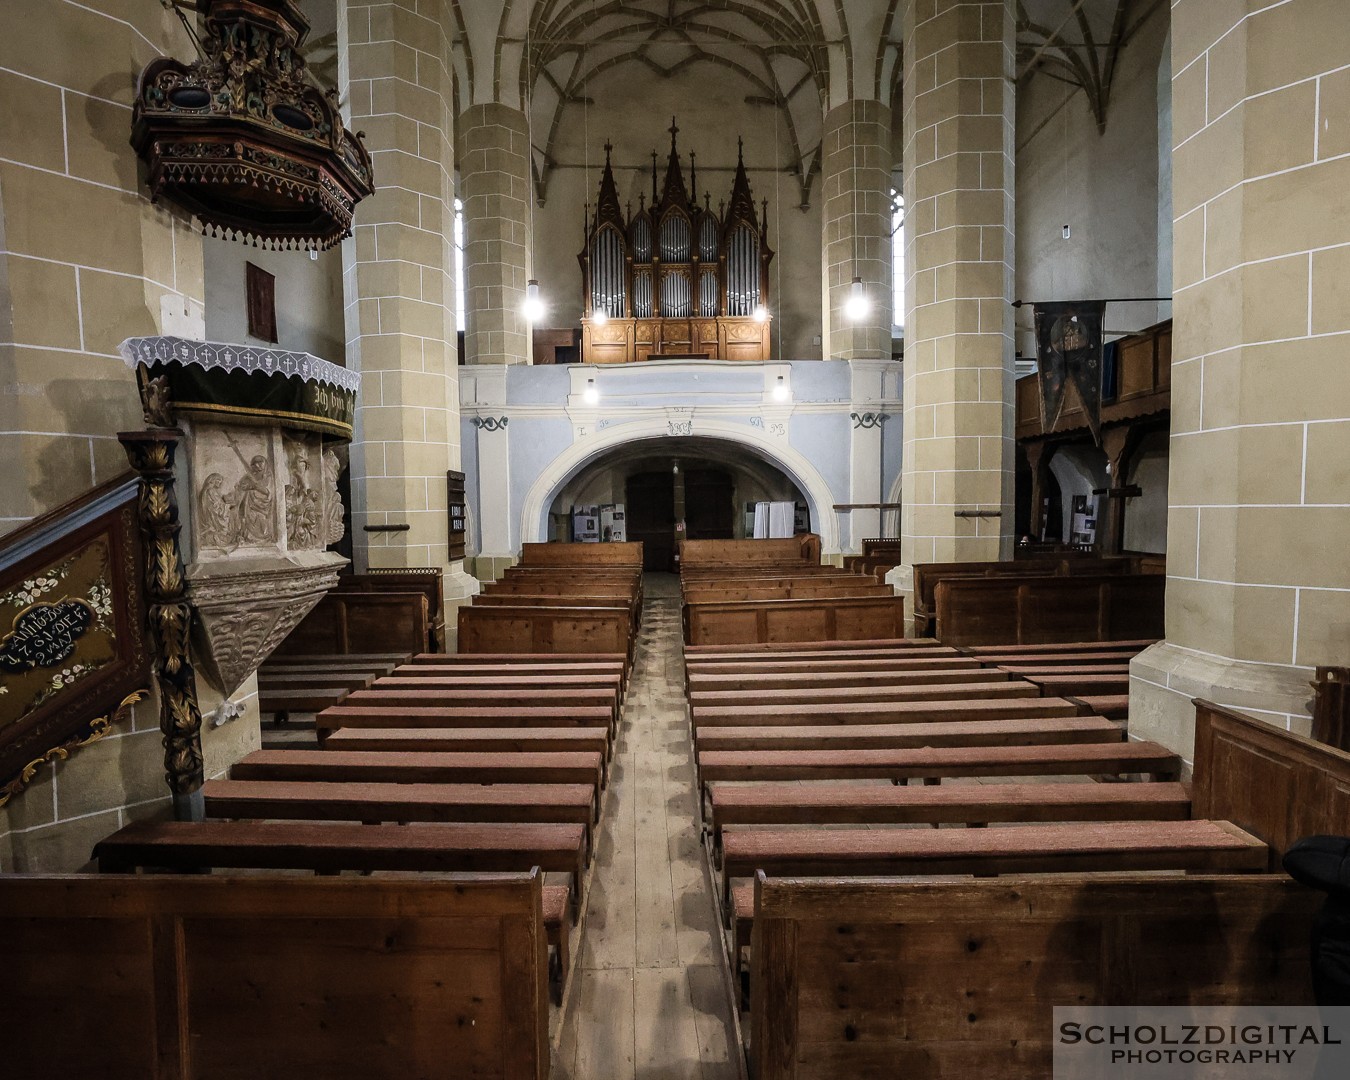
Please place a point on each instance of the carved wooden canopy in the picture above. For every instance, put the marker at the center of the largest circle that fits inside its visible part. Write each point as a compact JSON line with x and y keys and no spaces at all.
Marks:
{"x":243,"y":139}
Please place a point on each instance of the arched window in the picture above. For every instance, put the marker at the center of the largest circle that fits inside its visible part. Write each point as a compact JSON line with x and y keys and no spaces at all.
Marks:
{"x":897,"y":260}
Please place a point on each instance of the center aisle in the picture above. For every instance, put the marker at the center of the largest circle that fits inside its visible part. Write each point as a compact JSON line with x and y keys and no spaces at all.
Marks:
{"x":651,"y":988}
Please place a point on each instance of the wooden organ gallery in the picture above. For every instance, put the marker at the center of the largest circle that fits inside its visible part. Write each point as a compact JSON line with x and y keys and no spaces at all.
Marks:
{"x":676,"y":280}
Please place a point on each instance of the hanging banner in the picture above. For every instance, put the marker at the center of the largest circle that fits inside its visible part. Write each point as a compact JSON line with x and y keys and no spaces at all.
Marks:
{"x":1069,"y":348}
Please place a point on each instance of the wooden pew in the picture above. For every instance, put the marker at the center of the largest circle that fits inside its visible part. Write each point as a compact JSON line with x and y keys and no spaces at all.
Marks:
{"x":718,"y":554}
{"x":846,"y":619}
{"x":849,"y":696}
{"x":965,"y":804}
{"x":427,"y":580}
{"x":938,"y":763}
{"x":1027,"y":610}
{"x":545,"y":629}
{"x":362,"y":622}
{"x":332,"y":847}
{"x":480,"y":739}
{"x":584,"y":663}
{"x":1274,"y":783}
{"x":1075,"y":848}
{"x":777,"y":650}
{"x":810,"y":588}
{"x":336,"y":978}
{"x":423,"y":768}
{"x":1046,"y":650}
{"x":447,"y":697}
{"x":627,"y":554}
{"x":355,"y":800}
{"x":960,"y":975}
{"x":511,"y":717}
{"x":883,"y":712}
{"x":1080,"y":685}
{"x":860,"y":669}
{"x":1018,"y":732}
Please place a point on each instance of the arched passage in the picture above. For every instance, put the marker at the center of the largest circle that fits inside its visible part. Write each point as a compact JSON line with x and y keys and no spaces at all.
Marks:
{"x":746,"y":443}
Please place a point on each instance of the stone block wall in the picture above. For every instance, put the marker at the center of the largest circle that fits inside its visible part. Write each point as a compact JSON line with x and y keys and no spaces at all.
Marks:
{"x":85,"y":259}
{"x":1258,"y":568}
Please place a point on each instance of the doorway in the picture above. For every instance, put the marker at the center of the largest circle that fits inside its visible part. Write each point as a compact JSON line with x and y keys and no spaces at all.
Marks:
{"x":650,"y":505}
{"x":709,"y":508}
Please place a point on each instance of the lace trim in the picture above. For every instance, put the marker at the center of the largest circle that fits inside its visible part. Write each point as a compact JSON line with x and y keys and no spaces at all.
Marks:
{"x":212,"y":354}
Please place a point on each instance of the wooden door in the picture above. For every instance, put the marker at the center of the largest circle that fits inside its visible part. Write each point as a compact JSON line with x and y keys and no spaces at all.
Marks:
{"x":708,"y":506}
{"x":650,"y":499}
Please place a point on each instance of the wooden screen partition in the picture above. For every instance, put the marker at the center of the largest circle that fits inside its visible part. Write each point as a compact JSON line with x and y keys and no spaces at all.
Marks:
{"x":1275,"y":784}
{"x":851,"y":618}
{"x":178,"y":978}
{"x":361,"y":622}
{"x":425,"y":579}
{"x":530,"y":629}
{"x":613,"y":554}
{"x":1045,"y":610}
{"x":855,"y":978}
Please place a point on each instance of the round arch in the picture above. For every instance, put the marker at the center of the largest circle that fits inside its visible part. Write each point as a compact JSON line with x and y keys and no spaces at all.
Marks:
{"x":797,"y":468}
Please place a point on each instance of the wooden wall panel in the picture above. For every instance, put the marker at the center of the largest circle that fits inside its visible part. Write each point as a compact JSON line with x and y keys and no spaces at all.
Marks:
{"x":868,"y":979}
{"x":196,"y":978}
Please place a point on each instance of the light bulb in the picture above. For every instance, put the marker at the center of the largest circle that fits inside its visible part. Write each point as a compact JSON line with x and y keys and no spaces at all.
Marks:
{"x":533,"y":309}
{"x":599,"y":316}
{"x":780,"y":390}
{"x":591,"y":396}
{"x":761,"y":313}
{"x":857,"y":305}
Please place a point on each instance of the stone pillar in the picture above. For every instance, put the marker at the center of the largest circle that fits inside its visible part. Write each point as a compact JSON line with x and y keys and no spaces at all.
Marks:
{"x":856,"y":221}
{"x":958,"y":396}
{"x":494,"y":160}
{"x":85,"y":259}
{"x":398,"y":280}
{"x":1258,"y":589}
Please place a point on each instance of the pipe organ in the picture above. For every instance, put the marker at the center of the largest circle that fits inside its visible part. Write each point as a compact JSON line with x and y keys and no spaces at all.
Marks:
{"x":676,"y":280}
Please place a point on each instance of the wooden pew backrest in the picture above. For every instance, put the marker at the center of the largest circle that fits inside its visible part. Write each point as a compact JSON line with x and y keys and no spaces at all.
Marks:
{"x":185,"y":977}
{"x":507,"y":629}
{"x":851,"y":618}
{"x":613,"y":554}
{"x":362,"y":622}
{"x":1275,"y":784}
{"x":695,"y":554}
{"x":851,"y":978}
{"x":1013,"y":610}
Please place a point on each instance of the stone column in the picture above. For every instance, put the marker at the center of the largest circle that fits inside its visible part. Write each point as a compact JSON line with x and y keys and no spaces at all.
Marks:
{"x":398,"y":280}
{"x":1258,"y":588}
{"x":856,"y":221}
{"x":865,"y":458}
{"x":958,"y":397}
{"x":494,"y":158}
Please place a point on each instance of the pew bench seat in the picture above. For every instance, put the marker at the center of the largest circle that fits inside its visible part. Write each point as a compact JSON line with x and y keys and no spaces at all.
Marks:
{"x":936,"y":763}
{"x":1020,"y":732}
{"x":967,"y":672}
{"x":945,"y":659}
{"x":322,"y":680}
{"x":376,"y":659}
{"x":1076,"y":848}
{"x":409,"y":767}
{"x":557,"y":923}
{"x":375,"y":717}
{"x":984,"y":689}
{"x":1057,"y":660}
{"x":284,"y":702}
{"x":1078,"y":685}
{"x":364,"y":801}
{"x":1114,"y":706}
{"x":960,"y":804}
{"x":881,"y":712}
{"x":1061,"y":647}
{"x":428,"y":696}
{"x":330,"y":847}
{"x":478,"y":739}
{"x":1119,"y":668}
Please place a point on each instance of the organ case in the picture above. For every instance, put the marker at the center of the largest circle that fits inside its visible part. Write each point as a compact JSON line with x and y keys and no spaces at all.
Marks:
{"x":675,"y":280}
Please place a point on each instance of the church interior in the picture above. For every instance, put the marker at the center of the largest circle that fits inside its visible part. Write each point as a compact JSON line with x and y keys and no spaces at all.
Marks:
{"x":589,"y":540}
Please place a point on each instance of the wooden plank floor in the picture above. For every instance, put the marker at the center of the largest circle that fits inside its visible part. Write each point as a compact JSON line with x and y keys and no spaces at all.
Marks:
{"x":650,"y":994}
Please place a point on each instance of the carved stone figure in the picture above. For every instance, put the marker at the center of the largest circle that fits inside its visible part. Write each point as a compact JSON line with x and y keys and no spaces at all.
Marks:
{"x":253,"y":500}
{"x":333,"y":526}
{"x":215,"y":522}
